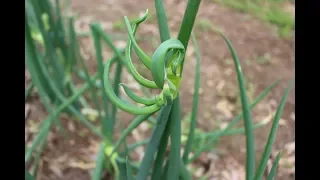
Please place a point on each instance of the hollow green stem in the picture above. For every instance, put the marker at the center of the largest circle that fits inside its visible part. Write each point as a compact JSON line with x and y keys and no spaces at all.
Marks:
{"x":186,"y":27}
{"x":188,"y":21}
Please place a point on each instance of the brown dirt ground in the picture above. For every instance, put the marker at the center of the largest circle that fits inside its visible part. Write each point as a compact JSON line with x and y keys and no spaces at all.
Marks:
{"x":264,"y":58}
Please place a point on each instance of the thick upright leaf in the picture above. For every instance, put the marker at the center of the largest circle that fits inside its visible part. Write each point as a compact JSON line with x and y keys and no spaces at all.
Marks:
{"x":158,"y":164}
{"x":175,"y":139}
{"x":162,"y":20}
{"x":152,"y":146}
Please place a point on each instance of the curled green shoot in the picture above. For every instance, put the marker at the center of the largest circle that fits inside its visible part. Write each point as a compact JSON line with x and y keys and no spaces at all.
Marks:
{"x":133,"y":71}
{"x":138,"y":99}
{"x":158,"y":61}
{"x":118,"y":102}
{"x":166,"y":73}
{"x":143,"y":57}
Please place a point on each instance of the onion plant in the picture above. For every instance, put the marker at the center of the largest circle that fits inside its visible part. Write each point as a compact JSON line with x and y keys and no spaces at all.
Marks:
{"x":166,"y":66}
{"x":53,"y":58}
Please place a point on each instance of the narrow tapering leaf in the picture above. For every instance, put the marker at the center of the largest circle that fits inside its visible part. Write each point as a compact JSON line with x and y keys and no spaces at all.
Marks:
{"x":250,"y":160}
{"x":37,"y":158}
{"x":273,"y":172}
{"x":272,"y":135}
{"x":84,"y":67}
{"x":195,"y":102}
{"x":129,"y":170}
{"x":107,"y":124}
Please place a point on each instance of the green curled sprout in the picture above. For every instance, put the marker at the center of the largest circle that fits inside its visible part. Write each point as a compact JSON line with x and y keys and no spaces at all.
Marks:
{"x":165,"y":66}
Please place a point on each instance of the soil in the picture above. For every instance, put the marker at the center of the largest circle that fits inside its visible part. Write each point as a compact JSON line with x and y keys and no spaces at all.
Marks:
{"x":264,"y":57}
